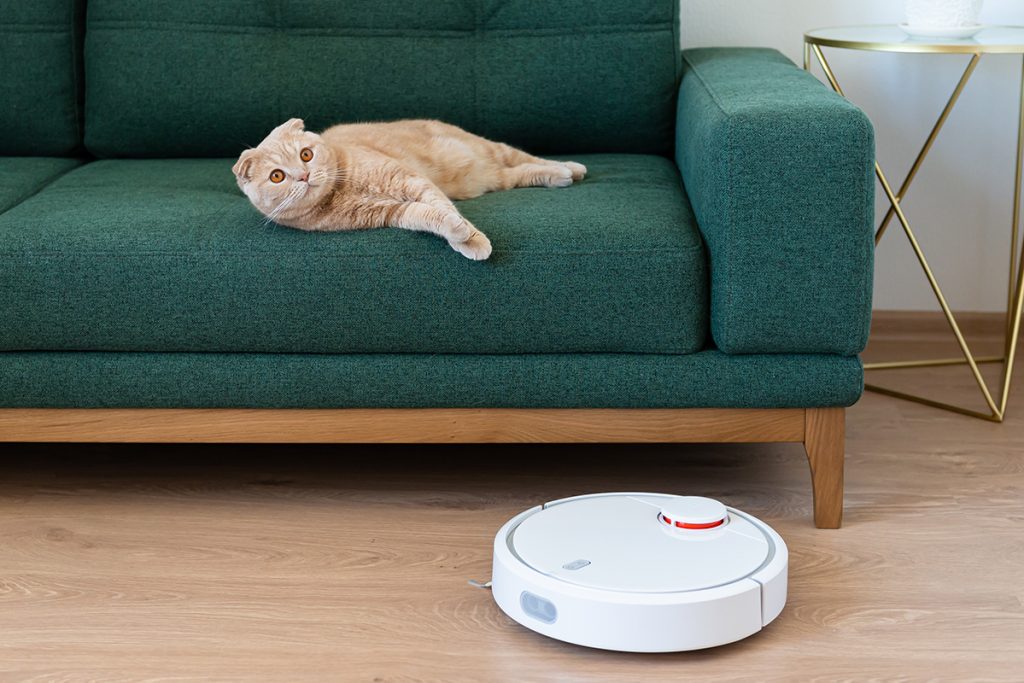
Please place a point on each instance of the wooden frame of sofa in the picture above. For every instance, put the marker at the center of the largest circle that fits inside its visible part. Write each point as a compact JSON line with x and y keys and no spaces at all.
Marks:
{"x":821,"y":430}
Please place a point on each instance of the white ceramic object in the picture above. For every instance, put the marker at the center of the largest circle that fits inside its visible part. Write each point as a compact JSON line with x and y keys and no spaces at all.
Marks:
{"x":942,"y":15}
{"x":640,"y":572}
{"x":959,"y":33}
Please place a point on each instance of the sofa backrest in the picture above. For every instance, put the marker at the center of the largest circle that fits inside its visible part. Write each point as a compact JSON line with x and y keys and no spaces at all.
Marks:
{"x":40,"y":77}
{"x":207,"y":78}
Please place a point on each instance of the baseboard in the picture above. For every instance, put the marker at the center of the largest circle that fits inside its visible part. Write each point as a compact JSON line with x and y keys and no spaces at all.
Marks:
{"x":924,"y":323}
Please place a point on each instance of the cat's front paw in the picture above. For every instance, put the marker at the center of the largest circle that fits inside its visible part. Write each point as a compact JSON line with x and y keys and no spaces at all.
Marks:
{"x":456,"y":228}
{"x":477,"y":247}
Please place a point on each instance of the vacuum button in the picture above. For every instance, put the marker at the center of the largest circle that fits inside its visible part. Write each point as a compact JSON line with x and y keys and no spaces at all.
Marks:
{"x":693,"y":512}
{"x":576,"y":564}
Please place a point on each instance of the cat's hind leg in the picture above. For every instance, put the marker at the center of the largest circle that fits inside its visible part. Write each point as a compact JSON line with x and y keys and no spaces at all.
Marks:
{"x":537,"y":175}
{"x":511,"y":157}
{"x":579,"y":171}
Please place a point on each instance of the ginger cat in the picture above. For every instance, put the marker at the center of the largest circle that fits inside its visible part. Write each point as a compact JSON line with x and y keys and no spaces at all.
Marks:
{"x":403,"y":174}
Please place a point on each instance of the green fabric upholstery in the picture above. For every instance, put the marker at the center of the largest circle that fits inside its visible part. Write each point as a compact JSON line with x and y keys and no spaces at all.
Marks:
{"x":779,"y":170}
{"x":21,"y":177}
{"x":147,"y":279}
{"x":200,"y":78}
{"x":171,"y":380}
{"x":40,"y":78}
{"x":168,"y":255}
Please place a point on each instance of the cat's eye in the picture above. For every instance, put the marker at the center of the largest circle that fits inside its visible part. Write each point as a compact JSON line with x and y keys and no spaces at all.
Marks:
{"x":276,"y":176}
{"x":306,"y":154}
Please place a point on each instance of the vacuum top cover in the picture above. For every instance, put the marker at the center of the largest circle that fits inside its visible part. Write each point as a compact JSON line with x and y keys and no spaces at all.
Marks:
{"x":641,"y":543}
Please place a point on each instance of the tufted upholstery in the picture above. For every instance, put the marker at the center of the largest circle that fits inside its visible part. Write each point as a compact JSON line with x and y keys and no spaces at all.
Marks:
{"x":200,"y":78}
{"x":40,"y":85}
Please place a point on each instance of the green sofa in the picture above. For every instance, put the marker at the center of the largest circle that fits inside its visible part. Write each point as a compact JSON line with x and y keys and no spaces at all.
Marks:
{"x":714,"y":268}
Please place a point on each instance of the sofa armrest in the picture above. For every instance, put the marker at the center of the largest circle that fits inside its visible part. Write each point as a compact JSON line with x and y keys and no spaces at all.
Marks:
{"x":780,"y":173}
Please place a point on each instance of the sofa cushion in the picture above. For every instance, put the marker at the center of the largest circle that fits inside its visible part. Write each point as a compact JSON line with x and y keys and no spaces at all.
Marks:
{"x":708,"y":379}
{"x":200,"y":78}
{"x":21,"y":177}
{"x":167,"y":255}
{"x":40,"y":82}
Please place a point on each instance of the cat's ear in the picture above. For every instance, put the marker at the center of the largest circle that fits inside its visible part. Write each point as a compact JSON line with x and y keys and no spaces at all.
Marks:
{"x":243,"y":167}
{"x":291,"y":125}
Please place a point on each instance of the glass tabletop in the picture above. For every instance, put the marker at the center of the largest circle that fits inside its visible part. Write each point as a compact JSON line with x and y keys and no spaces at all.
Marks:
{"x":891,"y":38}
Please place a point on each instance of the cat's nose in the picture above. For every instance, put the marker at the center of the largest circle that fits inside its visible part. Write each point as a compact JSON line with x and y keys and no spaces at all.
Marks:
{"x":304,"y":177}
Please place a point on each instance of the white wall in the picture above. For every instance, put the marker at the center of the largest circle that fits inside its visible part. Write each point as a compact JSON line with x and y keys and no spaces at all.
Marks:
{"x":960,"y":206}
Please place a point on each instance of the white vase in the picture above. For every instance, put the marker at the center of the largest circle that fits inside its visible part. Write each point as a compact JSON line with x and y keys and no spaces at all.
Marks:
{"x":940,"y":14}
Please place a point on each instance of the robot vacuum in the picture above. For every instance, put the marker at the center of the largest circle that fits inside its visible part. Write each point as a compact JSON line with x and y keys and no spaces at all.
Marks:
{"x":640,"y":572}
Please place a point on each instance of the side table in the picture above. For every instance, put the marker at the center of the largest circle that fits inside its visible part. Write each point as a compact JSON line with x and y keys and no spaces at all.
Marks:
{"x":991,"y":40}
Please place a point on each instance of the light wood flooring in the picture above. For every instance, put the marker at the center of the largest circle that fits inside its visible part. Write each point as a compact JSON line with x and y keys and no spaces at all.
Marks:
{"x":347,"y":563}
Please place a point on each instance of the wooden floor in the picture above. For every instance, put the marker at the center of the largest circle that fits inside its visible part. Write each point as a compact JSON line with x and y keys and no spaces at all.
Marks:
{"x":350,"y":563}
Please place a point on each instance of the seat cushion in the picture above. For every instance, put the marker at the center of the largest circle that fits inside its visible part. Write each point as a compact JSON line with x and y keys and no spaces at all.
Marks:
{"x":21,"y":177}
{"x":568,"y":76}
{"x":168,"y":255}
{"x":40,"y":78}
{"x":708,"y":379}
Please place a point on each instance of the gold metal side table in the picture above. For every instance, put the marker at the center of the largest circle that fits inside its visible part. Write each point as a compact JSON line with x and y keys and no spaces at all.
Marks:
{"x":992,"y":40}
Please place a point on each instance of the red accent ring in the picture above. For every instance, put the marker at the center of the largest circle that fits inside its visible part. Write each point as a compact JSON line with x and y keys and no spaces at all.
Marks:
{"x":710,"y":525}
{"x":687,"y":525}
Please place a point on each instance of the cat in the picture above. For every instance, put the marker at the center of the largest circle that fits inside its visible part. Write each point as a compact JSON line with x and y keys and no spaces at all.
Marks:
{"x":403,"y":174}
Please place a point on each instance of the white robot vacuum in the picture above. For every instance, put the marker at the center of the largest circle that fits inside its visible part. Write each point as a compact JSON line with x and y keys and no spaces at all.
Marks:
{"x":640,"y":572}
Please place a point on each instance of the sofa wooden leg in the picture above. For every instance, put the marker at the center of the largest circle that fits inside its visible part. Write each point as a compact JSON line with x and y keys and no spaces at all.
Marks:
{"x":825,"y":441}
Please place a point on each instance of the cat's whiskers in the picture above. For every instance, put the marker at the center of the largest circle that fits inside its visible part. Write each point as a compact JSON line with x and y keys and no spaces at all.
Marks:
{"x":275,"y":213}
{"x":335,"y":175}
